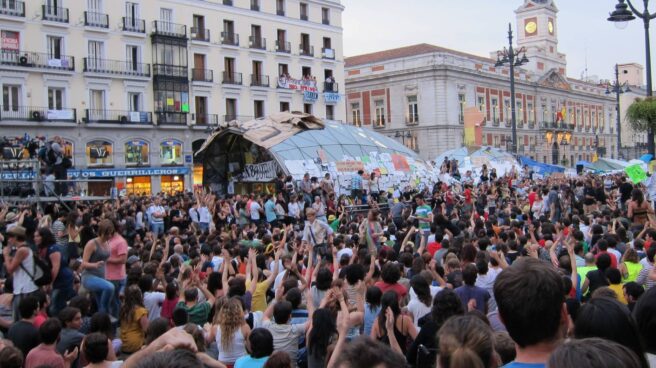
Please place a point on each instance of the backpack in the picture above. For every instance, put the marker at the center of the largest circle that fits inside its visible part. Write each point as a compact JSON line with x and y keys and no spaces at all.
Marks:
{"x":42,"y":272}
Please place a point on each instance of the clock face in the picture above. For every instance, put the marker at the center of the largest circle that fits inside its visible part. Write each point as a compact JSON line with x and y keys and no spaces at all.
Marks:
{"x":551,"y":27}
{"x":531,"y":27}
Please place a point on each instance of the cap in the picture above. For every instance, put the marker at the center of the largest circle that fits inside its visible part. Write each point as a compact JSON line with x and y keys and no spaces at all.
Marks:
{"x":331,"y":218}
{"x":10,"y":217}
{"x":133,"y":259}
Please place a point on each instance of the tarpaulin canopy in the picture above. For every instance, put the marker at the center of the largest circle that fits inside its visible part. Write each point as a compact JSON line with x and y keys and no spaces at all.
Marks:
{"x":474,"y":158}
{"x":647,"y":157}
{"x":607,"y":164}
{"x":539,"y":167}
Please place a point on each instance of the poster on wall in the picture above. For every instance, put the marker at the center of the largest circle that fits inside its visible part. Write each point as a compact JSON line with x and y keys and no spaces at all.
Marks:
{"x":262,"y":172}
{"x":400,"y":163}
{"x":10,"y":41}
{"x":349,"y":166}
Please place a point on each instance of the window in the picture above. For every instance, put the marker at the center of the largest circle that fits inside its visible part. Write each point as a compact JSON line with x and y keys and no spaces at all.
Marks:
{"x":304,"y":11}
{"x":380,"y":113}
{"x":255,"y":5}
{"x":529,"y":106}
{"x":132,"y":57}
{"x":586,"y":118}
{"x":496,"y":141}
{"x":602,"y":123}
{"x":95,"y":49}
{"x":170,"y":152}
{"x":325,"y":15}
{"x":283,"y":70}
{"x":545,"y":113}
{"x":229,"y":66}
{"x":166,"y":18}
{"x":579,"y":118}
{"x":461,"y":109}
{"x":55,"y":98}
{"x":494,"y":101}
{"x":412,"y":141}
{"x":10,"y":97}
{"x":134,"y":101}
{"x":55,"y":46}
{"x":200,"y":104}
{"x":507,"y":110}
{"x":520,"y":112}
{"x":281,"y":41}
{"x":256,"y":40}
{"x":231,"y":109}
{"x":136,"y":152}
{"x":131,"y":13}
{"x":97,"y":101}
{"x":330,"y":112}
{"x":99,"y":152}
{"x":280,"y":7}
{"x":284,"y":106}
{"x":258,"y":108}
{"x":413,"y":110}
{"x":570,"y":116}
{"x":305,"y":44}
{"x":327,"y":43}
{"x":307,"y":108}
{"x":480,"y":102}
{"x":355,"y":112}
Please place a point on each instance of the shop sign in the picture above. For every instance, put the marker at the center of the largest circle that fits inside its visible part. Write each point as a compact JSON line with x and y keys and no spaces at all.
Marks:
{"x":262,"y":172}
{"x":140,"y":171}
{"x":297,"y":84}
{"x":331,"y":97}
{"x":349,"y":166}
{"x":311,"y":97}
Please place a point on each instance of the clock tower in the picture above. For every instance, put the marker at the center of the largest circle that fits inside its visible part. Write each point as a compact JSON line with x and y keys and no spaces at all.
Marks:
{"x":537,"y":31}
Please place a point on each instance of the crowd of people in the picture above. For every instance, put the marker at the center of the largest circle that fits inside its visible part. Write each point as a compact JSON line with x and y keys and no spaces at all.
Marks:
{"x":487,"y":271}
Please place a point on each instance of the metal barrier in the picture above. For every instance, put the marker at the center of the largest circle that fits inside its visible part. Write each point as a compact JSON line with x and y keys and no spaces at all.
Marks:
{"x":353,"y":211}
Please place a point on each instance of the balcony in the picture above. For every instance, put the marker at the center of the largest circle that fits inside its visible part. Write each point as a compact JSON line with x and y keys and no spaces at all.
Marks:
{"x":327,"y":53}
{"x":255,"y":6}
{"x":282,"y":46}
{"x":171,"y":118}
{"x":559,"y":126}
{"x":118,"y":117}
{"x":54,"y":14}
{"x":258,"y":43}
{"x":169,"y":29}
{"x":259,"y":80}
{"x":378,"y":123}
{"x":202,"y":75}
{"x":507,"y":123}
{"x":306,"y":50}
{"x":531,"y":124}
{"x":227,"y":2}
{"x":412,"y":119}
{"x":229,"y":38}
{"x":116,"y":67}
{"x":37,"y":60}
{"x":280,"y":12}
{"x":229,"y":117}
{"x":330,"y":87}
{"x":133,"y":25}
{"x":304,"y":17}
{"x":98,"y":20}
{"x":12,"y":8}
{"x":206,"y":119}
{"x":495,"y":122}
{"x":166,"y":70}
{"x":520,"y":124}
{"x":200,"y":34}
{"x":38,"y":114}
{"x":232,"y":78}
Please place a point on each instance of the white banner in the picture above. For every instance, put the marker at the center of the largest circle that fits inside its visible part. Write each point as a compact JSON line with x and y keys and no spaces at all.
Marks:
{"x":262,"y":172}
{"x":60,"y":114}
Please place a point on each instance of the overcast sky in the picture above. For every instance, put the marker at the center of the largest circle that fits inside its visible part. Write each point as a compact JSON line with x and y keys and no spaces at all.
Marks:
{"x":479,"y":26}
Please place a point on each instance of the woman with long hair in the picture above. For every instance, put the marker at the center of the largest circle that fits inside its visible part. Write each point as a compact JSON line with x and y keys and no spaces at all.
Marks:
{"x":466,"y":341}
{"x":62,"y":275}
{"x":421,"y":300}
{"x":372,"y":308}
{"x":320,"y":336}
{"x":630,"y":266}
{"x":96,"y":253}
{"x":639,"y":210}
{"x":371,"y":230}
{"x":232,"y":333}
{"x":403,"y":328}
{"x":133,"y":318}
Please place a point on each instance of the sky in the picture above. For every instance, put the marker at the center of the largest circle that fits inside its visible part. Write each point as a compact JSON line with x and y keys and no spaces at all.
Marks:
{"x":480,"y":26}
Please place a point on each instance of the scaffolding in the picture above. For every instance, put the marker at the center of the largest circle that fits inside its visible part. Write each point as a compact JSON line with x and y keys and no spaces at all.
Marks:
{"x":21,"y":182}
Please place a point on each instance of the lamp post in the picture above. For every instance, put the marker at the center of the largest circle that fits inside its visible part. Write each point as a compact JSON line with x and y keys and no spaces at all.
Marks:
{"x":621,"y":15}
{"x":618,"y":89}
{"x":512,"y":57}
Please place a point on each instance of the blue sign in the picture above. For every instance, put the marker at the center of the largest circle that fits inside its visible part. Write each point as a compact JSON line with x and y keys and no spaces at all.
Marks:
{"x":188,"y":159}
{"x":310,"y":97}
{"x":106,"y":173}
{"x":332,"y":97}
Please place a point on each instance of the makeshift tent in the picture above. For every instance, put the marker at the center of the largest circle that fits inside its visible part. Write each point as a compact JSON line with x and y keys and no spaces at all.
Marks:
{"x":254,"y":152}
{"x":539,"y":167}
{"x":473,"y":159}
{"x":607,"y":164}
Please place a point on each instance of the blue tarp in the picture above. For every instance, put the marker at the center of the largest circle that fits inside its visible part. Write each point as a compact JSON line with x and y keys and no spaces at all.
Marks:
{"x":646,"y":157}
{"x":539,"y":167}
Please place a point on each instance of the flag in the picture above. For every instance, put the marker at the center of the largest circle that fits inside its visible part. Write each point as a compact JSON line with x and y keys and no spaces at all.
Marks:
{"x":563,"y":113}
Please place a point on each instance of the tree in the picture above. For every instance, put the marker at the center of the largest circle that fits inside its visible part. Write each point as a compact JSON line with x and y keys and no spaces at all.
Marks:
{"x":641,"y":115}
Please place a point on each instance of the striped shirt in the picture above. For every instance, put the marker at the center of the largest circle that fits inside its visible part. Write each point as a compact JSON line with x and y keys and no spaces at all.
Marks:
{"x":59,"y":230}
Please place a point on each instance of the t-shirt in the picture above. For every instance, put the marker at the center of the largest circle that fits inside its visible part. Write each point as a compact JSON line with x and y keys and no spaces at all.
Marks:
{"x":44,"y":355}
{"x":524,"y":365}
{"x":249,"y":362}
{"x":153,"y":301}
{"x":117,"y":247}
{"x":24,"y":336}
{"x":399,"y":289}
{"x":285,"y":337}
{"x":433,"y":247}
{"x":68,"y":340}
{"x":255,"y":211}
{"x":132,"y":335}
{"x":270,"y":211}
{"x":467,"y":292}
{"x":422,"y":212}
{"x":418,"y":310}
{"x":198,"y":313}
{"x":259,"y":303}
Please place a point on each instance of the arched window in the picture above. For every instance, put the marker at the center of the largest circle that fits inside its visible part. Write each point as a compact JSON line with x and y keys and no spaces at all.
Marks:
{"x":100,"y":152}
{"x":136,"y":152}
{"x":171,"y":152}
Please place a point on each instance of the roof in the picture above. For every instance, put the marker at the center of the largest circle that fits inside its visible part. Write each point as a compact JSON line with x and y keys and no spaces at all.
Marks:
{"x":406,"y":51}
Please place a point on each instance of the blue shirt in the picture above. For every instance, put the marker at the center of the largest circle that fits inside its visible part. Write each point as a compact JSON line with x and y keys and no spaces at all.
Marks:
{"x":524,"y":365}
{"x":270,"y":211}
{"x":248,"y":362}
{"x":356,"y":182}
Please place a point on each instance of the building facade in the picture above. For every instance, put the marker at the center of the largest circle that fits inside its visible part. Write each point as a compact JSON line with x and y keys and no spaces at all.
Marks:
{"x":418,"y":95}
{"x":138,"y":84}
{"x":634,"y":143}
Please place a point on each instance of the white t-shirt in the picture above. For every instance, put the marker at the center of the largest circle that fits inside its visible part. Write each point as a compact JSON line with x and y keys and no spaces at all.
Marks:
{"x":217,"y":262}
{"x":153,"y":302}
{"x":418,"y":310}
{"x":347,"y":251}
{"x":255,"y":210}
{"x":204,"y":215}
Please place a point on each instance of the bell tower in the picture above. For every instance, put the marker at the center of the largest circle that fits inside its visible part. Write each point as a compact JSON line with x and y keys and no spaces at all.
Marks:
{"x":537,"y":31}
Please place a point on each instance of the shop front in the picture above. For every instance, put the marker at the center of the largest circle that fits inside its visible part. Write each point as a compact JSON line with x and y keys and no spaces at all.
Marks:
{"x":138,"y":185}
{"x":134,"y":180}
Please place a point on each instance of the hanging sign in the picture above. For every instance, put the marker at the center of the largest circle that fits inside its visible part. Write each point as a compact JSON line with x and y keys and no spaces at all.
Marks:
{"x":311,"y":97}
{"x":349,"y":166}
{"x":262,"y":172}
{"x":331,"y":97}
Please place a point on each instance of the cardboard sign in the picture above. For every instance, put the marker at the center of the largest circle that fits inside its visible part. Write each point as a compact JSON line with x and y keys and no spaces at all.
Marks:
{"x":400,"y":163}
{"x":349,"y":166}
{"x":635,"y":173}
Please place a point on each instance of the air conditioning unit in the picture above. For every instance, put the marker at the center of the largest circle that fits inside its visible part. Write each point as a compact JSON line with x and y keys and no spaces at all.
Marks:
{"x":123,"y":119}
{"x":36,"y":115}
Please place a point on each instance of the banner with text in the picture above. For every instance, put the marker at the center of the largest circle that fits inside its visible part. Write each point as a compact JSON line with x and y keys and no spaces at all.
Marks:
{"x":262,"y":172}
{"x":297,"y":84}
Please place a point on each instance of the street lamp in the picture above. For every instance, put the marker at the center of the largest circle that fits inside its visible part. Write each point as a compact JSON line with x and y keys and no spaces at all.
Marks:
{"x":618,"y":89}
{"x":621,"y":15}
{"x":512,"y":57}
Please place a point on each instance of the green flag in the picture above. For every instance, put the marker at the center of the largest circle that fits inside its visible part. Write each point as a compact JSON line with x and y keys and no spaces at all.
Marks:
{"x":635,"y":173}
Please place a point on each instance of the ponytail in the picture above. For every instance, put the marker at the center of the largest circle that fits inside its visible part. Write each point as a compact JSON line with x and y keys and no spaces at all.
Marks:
{"x":464,"y":357}
{"x":466,"y":342}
